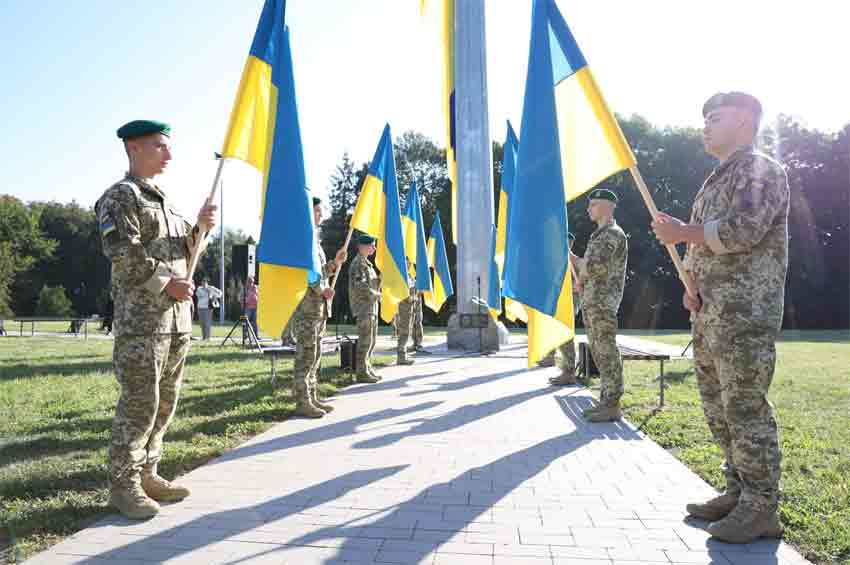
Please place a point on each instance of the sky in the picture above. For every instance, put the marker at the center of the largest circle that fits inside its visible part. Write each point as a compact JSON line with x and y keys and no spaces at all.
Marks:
{"x":73,"y":72}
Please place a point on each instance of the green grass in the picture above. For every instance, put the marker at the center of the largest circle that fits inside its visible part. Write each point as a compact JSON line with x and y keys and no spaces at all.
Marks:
{"x":811,"y":393}
{"x":57,"y":398}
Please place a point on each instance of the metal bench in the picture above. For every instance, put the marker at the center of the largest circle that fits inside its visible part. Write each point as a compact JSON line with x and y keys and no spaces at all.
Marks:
{"x":76,"y":323}
{"x":329,"y":345}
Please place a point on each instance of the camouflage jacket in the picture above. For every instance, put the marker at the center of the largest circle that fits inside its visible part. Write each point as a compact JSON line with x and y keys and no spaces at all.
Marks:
{"x":148,"y":243}
{"x":314,"y":305}
{"x":740,"y":270}
{"x":604,"y":273}
{"x":363,"y":287}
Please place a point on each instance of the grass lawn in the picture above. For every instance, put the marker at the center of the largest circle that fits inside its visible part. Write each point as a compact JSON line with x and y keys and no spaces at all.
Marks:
{"x":57,"y":396}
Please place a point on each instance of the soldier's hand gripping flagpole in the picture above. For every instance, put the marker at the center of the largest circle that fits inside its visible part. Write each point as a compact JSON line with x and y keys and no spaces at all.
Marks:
{"x":671,"y":249}
{"x":201,"y":238}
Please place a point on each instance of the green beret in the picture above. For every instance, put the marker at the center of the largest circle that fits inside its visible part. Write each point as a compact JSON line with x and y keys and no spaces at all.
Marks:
{"x":604,"y":194}
{"x":316,"y":201}
{"x":737,"y":99}
{"x":365,"y":239}
{"x":138,"y":128}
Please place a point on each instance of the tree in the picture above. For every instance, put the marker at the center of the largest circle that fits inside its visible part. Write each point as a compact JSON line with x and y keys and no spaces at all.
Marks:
{"x":52,"y":301}
{"x":24,"y":247}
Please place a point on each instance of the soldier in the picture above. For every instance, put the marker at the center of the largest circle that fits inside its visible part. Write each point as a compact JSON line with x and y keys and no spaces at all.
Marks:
{"x":602,"y":276}
{"x":364,"y":293}
{"x":148,"y":243}
{"x":416,"y":321}
{"x":312,"y":315}
{"x":287,"y":336}
{"x":404,"y":321}
{"x":567,"y":362}
{"x":737,"y":258}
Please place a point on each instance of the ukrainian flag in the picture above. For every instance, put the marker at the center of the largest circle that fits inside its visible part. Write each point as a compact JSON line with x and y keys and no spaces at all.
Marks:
{"x":513,"y":310}
{"x":415,"y":245}
{"x":439,"y":259}
{"x":378,"y":213}
{"x":264,"y":131}
{"x":494,"y":294}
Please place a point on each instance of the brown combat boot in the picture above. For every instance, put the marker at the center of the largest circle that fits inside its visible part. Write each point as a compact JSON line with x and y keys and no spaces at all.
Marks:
{"x":605,"y":414}
{"x":548,"y":361}
{"x":161,"y":490}
{"x":366,"y":378}
{"x":564,"y":379}
{"x":132,"y":501}
{"x":716,"y":508}
{"x":745,"y":524}
{"x":314,"y":398}
{"x":404,"y":360}
{"x":304,"y":407}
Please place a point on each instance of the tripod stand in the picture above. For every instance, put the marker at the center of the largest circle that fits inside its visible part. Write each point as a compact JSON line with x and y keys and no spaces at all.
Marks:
{"x":247,"y":333}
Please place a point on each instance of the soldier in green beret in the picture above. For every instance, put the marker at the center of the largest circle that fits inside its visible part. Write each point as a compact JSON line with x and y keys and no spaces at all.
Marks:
{"x":737,"y":258}
{"x":148,"y":242}
{"x":364,"y":294}
{"x":602,"y":278}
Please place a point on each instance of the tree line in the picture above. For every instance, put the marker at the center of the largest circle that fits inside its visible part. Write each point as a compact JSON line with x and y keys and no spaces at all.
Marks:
{"x":50,"y":255}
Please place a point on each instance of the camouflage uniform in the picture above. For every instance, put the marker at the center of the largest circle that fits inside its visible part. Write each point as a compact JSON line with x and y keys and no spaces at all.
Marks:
{"x":740,"y":273}
{"x":364,"y":293}
{"x":567,"y":351}
{"x":309,"y":326}
{"x":416,"y":320}
{"x":148,"y":243}
{"x":287,"y":336}
{"x":404,"y":320}
{"x":604,"y":277}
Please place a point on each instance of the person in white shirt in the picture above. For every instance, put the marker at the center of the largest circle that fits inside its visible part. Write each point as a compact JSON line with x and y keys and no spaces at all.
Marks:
{"x":208,"y":298}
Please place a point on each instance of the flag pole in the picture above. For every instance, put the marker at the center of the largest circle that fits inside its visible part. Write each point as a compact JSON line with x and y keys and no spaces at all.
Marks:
{"x":344,"y":246}
{"x":201,"y":238}
{"x":671,"y":249}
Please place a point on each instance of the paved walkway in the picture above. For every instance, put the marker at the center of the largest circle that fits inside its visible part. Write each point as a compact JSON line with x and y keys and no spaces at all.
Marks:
{"x":455,"y":460}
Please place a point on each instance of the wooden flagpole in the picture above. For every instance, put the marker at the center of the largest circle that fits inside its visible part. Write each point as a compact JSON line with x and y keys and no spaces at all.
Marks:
{"x":200,"y":239}
{"x":671,"y":249}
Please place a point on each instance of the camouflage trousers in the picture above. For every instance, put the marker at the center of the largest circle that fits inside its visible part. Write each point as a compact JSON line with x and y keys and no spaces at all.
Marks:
{"x":567,"y":359}
{"x":149,"y":370}
{"x":367,"y":335}
{"x":287,"y":336}
{"x":404,"y":323}
{"x":308,"y":354}
{"x":734,"y":360}
{"x":601,"y":327}
{"x":416,"y":321}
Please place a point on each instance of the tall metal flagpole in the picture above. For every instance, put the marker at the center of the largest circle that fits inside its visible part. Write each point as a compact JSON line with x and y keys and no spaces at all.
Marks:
{"x":474,"y":178}
{"x":221,"y":243}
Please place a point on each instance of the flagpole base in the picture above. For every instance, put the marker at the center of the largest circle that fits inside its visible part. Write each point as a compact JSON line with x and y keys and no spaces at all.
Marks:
{"x":475,"y":332}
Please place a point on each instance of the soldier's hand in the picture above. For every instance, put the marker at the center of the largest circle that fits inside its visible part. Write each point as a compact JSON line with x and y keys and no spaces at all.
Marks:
{"x":691,"y":303}
{"x":207,"y":217}
{"x":328,"y":294}
{"x":180,"y":289}
{"x":341,"y":256}
{"x":668,"y":229}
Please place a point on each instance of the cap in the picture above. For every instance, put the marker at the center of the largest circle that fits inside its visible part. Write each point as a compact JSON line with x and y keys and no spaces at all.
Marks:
{"x":138,"y":128}
{"x":604,"y":194}
{"x":366,"y":239}
{"x":736,"y":99}
{"x":316,"y":201}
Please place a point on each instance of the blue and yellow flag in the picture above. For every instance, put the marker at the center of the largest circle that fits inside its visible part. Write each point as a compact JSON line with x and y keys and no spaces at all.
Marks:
{"x":378,"y":213}
{"x":494,"y":293}
{"x":513,"y":310}
{"x":264,"y":131}
{"x":438,"y":257}
{"x":415,"y":245}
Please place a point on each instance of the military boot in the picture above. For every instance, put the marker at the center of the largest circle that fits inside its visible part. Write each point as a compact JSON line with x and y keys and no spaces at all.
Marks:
{"x":747,"y":523}
{"x":605,"y":413}
{"x":159,"y":489}
{"x":716,"y":508}
{"x":403,"y":359}
{"x":314,"y":398}
{"x":366,"y":378}
{"x":588,"y":411}
{"x":132,"y":501}
{"x":374,"y":375}
{"x":548,"y":361}
{"x":308,"y":409}
{"x":564,"y":379}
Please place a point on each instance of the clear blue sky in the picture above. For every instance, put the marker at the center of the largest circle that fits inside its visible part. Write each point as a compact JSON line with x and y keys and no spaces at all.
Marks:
{"x":74,"y":71}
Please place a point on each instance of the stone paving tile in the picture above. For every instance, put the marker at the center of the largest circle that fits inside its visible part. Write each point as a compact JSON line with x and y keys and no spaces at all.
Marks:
{"x":455,"y":460}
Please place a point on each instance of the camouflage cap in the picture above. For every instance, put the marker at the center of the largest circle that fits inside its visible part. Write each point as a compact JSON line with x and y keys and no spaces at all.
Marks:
{"x":604,"y":194}
{"x":138,"y":128}
{"x":366,"y":239}
{"x":737,"y":99}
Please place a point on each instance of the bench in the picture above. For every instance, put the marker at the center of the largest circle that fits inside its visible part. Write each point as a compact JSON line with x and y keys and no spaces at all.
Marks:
{"x":76,"y":323}
{"x":634,"y":349}
{"x":329,"y":345}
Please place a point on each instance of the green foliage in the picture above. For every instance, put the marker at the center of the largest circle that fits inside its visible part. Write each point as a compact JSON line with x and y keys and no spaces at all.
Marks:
{"x":52,"y":301}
